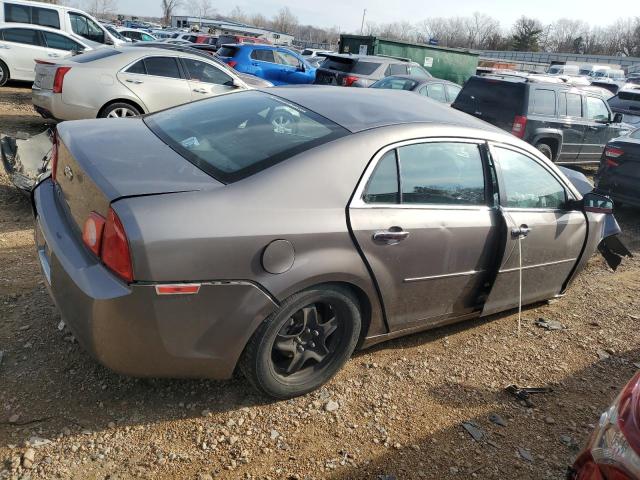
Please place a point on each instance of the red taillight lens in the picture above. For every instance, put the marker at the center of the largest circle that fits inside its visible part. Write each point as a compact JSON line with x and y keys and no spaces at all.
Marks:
{"x":92,"y":232}
{"x":349,"y":80}
{"x":519,"y":125}
{"x":54,"y":155}
{"x":232,"y":63}
{"x":588,"y":469}
{"x":58,"y":80}
{"x":612,"y":473}
{"x":629,"y":413}
{"x":612,"y":163}
{"x":613,"y":152}
{"x":115,"y":248}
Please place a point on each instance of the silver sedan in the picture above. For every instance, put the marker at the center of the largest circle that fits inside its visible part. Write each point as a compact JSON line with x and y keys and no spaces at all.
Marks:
{"x":129,"y":81}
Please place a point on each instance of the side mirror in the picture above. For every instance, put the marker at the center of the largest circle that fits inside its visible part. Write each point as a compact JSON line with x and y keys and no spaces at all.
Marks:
{"x":597,"y":203}
{"x":603,"y":120}
{"x":617,"y":118}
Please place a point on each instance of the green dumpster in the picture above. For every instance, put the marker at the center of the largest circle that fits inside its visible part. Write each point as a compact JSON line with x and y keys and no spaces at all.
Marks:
{"x":452,"y":64}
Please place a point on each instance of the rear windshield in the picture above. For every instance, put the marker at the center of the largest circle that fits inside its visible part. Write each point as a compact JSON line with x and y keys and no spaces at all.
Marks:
{"x":231,"y":137}
{"x":492,"y":100}
{"x":227,"y":51}
{"x":95,"y":55}
{"x":350,"y":65}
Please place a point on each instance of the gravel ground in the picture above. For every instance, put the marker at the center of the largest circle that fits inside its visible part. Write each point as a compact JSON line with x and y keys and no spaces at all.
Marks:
{"x":395,"y":411}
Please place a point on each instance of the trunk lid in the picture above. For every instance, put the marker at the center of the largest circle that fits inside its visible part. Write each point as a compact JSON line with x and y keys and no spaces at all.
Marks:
{"x":45,"y":74}
{"x":93,"y":170}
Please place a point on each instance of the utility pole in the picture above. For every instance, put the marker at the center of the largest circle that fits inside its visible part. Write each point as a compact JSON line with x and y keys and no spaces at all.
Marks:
{"x":362,"y":26}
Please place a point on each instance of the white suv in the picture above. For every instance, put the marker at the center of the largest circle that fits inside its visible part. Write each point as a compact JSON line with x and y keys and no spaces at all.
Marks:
{"x":21,"y":45}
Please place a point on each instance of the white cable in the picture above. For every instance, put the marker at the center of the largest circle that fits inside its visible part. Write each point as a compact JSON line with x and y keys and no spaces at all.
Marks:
{"x":520,"y":281}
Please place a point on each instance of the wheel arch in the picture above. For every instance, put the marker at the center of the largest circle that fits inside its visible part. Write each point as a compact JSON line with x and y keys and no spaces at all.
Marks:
{"x":553,"y":138}
{"x":130,"y":101}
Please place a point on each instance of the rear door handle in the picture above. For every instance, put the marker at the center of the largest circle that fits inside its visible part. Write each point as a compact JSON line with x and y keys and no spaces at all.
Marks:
{"x":593,"y":128}
{"x":520,"y":232}
{"x":135,"y":82}
{"x":391,"y":236}
{"x":54,"y":55}
{"x":200,"y":90}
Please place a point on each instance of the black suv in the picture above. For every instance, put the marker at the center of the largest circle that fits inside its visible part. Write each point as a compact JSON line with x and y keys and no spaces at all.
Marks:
{"x":566,"y":124}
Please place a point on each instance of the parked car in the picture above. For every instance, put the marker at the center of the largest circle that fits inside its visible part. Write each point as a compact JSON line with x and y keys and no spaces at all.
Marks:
{"x":137,"y":35}
{"x":441,"y":90}
{"x":22,"y":44}
{"x":278,"y":65}
{"x":633,"y":78}
{"x":563,"y":70}
{"x":314,"y":52}
{"x":113,"y":31}
{"x":128,"y":81}
{"x":613,"y":450}
{"x":619,"y":172}
{"x":610,"y":74}
{"x":567,"y":124}
{"x":238,"y":39}
{"x":627,"y":103}
{"x":603,"y":92}
{"x":206,"y":48}
{"x":205,"y":238}
{"x":66,"y":19}
{"x":363,"y":70}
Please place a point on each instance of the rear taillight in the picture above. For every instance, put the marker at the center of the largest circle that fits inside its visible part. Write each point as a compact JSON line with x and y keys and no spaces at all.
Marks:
{"x":54,"y":155}
{"x":613,"y":152}
{"x":115,"y":248}
{"x":92,"y":232}
{"x":58,"y":80}
{"x":349,"y":80}
{"x":611,"y":163}
{"x":519,"y":125}
{"x":232,"y":63}
{"x":588,"y":469}
{"x":629,"y":413}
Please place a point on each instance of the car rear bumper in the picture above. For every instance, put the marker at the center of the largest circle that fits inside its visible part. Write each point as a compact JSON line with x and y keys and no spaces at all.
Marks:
{"x":50,"y":105}
{"x":130,"y":328}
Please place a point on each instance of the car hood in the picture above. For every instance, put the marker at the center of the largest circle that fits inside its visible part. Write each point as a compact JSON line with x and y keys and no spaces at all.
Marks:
{"x":124,"y":158}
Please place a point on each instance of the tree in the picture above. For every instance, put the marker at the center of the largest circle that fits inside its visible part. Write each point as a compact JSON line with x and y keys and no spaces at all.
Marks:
{"x":168,"y":9}
{"x":526,"y":34}
{"x":102,"y":8}
{"x":238,"y":15}
{"x":204,"y":9}
{"x":284,"y":21}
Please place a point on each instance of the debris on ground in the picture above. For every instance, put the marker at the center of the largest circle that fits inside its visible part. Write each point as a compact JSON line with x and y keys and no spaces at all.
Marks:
{"x":524,"y":393}
{"x":474,"y":430}
{"x":525,"y":454}
{"x":550,"y":324}
{"x":497,"y":419}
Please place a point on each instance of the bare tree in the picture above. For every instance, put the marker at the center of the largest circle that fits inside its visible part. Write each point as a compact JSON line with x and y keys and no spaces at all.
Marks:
{"x":259,"y":20}
{"x":168,"y":9}
{"x":102,"y":8}
{"x":285,"y":21}
{"x":204,"y":8}
{"x":238,"y":15}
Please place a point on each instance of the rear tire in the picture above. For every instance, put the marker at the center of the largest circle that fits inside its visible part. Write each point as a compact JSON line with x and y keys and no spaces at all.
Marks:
{"x":546,"y":150}
{"x":4,"y":74}
{"x":120,"y":110}
{"x":302,"y":345}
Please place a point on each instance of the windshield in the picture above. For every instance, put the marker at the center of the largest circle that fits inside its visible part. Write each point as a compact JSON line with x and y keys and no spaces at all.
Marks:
{"x":555,"y":70}
{"x":231,"y":137}
{"x":116,"y":33}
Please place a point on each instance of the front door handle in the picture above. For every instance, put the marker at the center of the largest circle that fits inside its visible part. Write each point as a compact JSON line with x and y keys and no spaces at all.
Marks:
{"x":593,"y":128}
{"x":391,"y":236}
{"x":200,"y":90}
{"x":520,"y":232}
{"x":54,"y":55}
{"x":135,"y":82}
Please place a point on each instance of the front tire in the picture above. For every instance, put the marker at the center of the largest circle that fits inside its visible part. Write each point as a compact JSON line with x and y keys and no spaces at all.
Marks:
{"x":120,"y":110}
{"x":302,"y":345}
{"x":4,"y":74}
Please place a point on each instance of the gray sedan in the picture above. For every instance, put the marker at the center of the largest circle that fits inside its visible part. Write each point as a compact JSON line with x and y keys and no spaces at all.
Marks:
{"x":279,"y":230}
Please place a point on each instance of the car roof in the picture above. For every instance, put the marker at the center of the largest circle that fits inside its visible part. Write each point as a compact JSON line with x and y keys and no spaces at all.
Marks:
{"x":366,"y":108}
{"x":378,"y":58}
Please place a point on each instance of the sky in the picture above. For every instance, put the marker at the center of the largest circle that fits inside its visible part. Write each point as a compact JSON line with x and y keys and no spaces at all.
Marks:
{"x":347,"y":14}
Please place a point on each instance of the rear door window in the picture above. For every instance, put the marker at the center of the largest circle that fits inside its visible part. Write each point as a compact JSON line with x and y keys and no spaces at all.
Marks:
{"x":442,"y":173}
{"x":25,"y":36}
{"x":436,"y":91}
{"x":263,"y":56}
{"x":45,"y":17}
{"x":574,"y":105}
{"x":60,"y":42}
{"x":396,"y":69}
{"x":162,"y":67}
{"x":138,"y":68}
{"x":544,"y":102}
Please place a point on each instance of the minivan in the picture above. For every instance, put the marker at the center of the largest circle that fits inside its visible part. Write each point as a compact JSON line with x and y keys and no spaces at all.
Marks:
{"x":66,"y":19}
{"x":559,"y":69}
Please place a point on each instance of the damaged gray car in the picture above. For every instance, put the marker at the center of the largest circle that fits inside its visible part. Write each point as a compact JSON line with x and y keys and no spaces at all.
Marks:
{"x":210,"y":238}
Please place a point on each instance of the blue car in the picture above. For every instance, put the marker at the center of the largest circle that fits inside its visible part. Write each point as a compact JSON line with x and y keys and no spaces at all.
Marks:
{"x":275,"y":64}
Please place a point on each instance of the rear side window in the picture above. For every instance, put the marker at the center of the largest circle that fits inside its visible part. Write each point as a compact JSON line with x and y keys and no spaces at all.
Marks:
{"x":25,"y":14}
{"x":570,"y":105}
{"x":442,"y":173}
{"x":544,"y":102}
{"x":436,"y":91}
{"x":383,"y":185}
{"x":138,"y":68}
{"x":262,"y":56}
{"x":231,"y":137}
{"x":227,"y":51}
{"x":340,"y":64}
{"x":162,"y":67}
{"x":94,"y":55}
{"x":365,"y":68}
{"x":396,"y":69}
{"x":60,"y":42}
{"x":495,"y":101}
{"x":24,"y":36}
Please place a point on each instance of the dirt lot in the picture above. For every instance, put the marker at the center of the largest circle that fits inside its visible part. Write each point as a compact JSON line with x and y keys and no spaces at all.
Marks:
{"x":395,"y":411}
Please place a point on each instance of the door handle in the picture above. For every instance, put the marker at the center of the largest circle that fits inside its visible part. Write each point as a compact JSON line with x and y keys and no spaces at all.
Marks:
{"x":520,"y":232}
{"x":200,"y":90}
{"x":135,"y":82}
{"x":391,"y":236}
{"x":54,"y":55}
{"x":593,"y":128}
